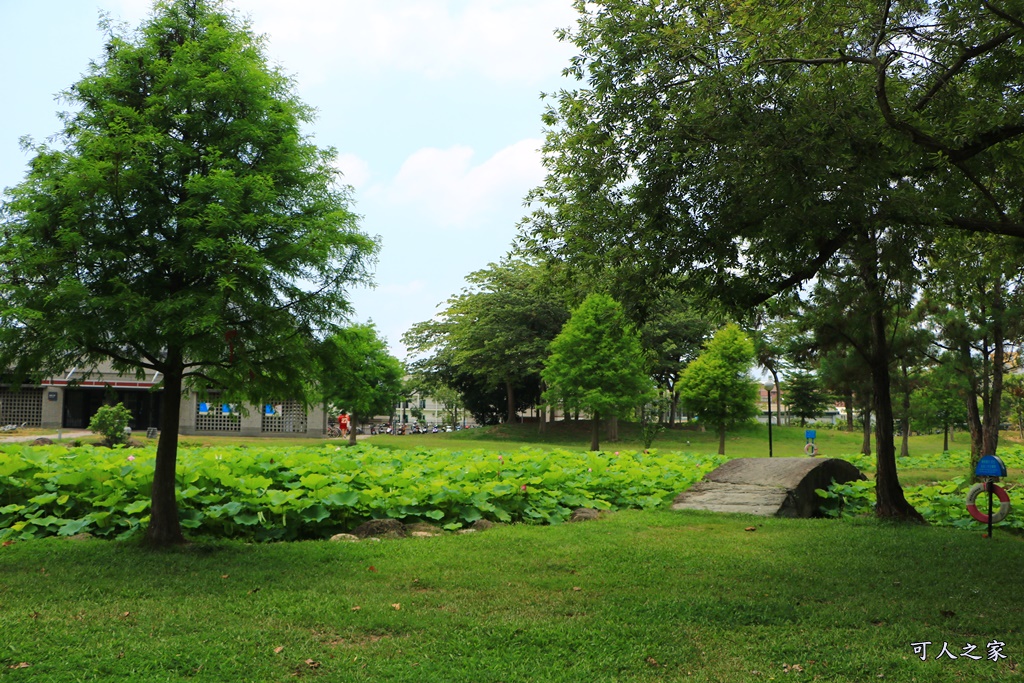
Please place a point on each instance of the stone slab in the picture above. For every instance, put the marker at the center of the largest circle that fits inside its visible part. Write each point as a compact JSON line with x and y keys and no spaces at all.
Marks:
{"x":767,"y":487}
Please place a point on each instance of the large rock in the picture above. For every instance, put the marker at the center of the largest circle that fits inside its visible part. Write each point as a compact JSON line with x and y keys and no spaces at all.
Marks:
{"x":389,"y":528}
{"x":781,"y":487}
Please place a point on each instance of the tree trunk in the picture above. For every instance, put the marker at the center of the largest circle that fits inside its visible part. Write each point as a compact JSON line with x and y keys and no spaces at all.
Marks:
{"x":595,"y":436}
{"x":849,"y":410}
{"x":865,"y":444}
{"x":890,"y":501}
{"x":164,"y":529}
{"x":351,"y":429}
{"x":510,"y":394}
{"x":993,"y":414}
{"x":721,"y":440}
{"x":778,"y":397}
{"x":542,"y":420}
{"x":905,"y":447}
{"x":974,"y":424}
{"x":613,"y":428}
{"x":945,"y":438}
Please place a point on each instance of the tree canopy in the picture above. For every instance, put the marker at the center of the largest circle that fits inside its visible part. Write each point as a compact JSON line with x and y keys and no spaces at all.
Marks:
{"x":182,"y":223}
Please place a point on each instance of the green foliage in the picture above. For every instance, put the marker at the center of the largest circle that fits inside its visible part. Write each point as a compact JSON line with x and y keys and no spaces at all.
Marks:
{"x":359,"y":375}
{"x":111,"y":422}
{"x":1013,"y":386}
{"x":280,"y":494}
{"x":596,"y":362}
{"x":717,"y":387}
{"x":804,"y":396}
{"x":491,"y":340}
{"x":939,"y":401}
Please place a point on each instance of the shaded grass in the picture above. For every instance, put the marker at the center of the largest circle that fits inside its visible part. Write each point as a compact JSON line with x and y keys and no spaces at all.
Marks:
{"x":662,"y":596}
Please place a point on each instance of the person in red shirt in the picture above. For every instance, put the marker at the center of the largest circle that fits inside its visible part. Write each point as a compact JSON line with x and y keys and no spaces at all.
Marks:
{"x":343,"y":424}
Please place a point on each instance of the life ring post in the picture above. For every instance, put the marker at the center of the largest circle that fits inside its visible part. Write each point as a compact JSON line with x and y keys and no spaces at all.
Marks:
{"x":989,"y":469}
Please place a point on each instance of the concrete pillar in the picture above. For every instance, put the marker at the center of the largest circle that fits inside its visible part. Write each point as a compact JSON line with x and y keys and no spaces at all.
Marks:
{"x":53,"y":407}
{"x":187,"y":418}
{"x":252,"y":421}
{"x":315,"y":416}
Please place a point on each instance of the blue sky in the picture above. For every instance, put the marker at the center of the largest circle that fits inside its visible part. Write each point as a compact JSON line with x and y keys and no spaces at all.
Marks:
{"x":433,"y":105}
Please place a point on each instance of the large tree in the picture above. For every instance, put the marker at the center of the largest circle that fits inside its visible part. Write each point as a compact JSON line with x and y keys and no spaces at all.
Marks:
{"x":181,"y":223}
{"x":747,"y":145}
{"x":597,"y":364}
{"x":804,"y":395}
{"x":359,"y":375}
{"x":493,"y":335}
{"x":717,"y":386}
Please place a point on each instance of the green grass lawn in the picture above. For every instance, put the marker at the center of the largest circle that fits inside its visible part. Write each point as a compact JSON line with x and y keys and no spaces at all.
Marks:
{"x":639,"y":596}
{"x":745,"y":442}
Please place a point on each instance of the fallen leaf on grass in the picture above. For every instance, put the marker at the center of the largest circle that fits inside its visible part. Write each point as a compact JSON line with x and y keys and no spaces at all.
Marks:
{"x":224,"y":576}
{"x":278,"y":649}
{"x":356,"y":608}
{"x":7,"y":543}
{"x":652,"y":661}
{"x":371,"y":568}
{"x":396,"y":605}
{"x":312,"y":663}
{"x":751,"y":528}
{"x":576,"y":588}
{"x":20,"y":665}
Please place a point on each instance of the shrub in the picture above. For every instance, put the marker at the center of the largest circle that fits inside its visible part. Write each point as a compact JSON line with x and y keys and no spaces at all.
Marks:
{"x":111,"y":422}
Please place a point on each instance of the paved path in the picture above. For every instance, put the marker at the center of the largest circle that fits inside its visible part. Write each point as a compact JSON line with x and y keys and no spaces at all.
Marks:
{"x":69,"y":434}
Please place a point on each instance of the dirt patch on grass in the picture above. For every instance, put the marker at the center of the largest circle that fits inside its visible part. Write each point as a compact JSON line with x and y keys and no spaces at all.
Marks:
{"x":352,"y":642}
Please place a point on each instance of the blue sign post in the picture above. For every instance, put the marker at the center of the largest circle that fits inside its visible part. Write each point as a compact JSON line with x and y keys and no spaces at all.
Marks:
{"x":990,"y":468}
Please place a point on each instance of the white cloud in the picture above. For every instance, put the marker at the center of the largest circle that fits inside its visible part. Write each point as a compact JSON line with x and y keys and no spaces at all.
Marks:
{"x":354,"y":170}
{"x":509,"y":40}
{"x":454,"y":193}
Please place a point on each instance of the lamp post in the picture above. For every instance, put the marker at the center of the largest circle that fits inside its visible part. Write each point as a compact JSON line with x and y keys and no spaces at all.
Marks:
{"x":769,"y":388}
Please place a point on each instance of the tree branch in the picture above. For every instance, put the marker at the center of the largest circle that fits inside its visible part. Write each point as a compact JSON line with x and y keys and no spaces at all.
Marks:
{"x":953,"y":70}
{"x":1008,"y":228}
{"x":1003,"y":14}
{"x":825,"y":252}
{"x":987,"y":139}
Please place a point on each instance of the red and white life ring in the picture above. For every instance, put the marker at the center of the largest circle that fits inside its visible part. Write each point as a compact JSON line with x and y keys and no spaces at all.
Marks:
{"x":1000,"y":493}
{"x":811,"y":449}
